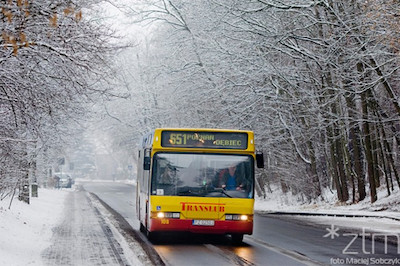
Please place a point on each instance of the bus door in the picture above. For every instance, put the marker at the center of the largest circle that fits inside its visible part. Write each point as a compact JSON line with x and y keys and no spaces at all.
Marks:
{"x":145,"y":193}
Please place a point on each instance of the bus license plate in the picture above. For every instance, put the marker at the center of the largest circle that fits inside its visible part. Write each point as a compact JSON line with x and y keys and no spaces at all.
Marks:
{"x":204,"y":222}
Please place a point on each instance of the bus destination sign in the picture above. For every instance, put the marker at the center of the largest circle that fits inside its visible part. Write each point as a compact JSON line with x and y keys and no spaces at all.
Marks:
{"x":207,"y":140}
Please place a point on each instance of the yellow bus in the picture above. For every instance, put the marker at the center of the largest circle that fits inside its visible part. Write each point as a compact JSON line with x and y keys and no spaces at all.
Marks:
{"x":197,"y":180}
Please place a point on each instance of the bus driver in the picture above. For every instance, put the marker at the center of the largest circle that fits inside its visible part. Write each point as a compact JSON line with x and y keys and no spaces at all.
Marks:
{"x":232,"y":180}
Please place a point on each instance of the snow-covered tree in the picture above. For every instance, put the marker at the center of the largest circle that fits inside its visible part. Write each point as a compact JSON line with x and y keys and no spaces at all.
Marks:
{"x":54,"y":59}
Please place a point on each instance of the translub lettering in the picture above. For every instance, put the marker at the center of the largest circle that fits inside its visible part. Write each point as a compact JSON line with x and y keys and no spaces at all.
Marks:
{"x":202,"y":207}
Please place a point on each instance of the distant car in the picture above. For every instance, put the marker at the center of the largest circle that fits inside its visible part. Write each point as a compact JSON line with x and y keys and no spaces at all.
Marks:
{"x":63,"y":180}
{"x":65,"y":183}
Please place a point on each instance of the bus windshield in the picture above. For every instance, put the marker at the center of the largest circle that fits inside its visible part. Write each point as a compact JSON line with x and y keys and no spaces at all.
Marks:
{"x":203,"y":175}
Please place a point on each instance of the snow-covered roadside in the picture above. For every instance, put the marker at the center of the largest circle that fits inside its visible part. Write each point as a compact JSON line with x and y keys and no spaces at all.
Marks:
{"x":360,"y":216}
{"x":26,"y":230}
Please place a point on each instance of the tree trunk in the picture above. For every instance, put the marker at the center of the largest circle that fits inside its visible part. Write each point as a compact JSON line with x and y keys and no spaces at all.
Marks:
{"x":355,"y":150}
{"x":386,"y":167}
{"x":341,"y":169}
{"x":375,"y":158}
{"x":391,"y":162}
{"x":368,"y":149}
{"x":334,"y":172}
{"x":314,"y":175}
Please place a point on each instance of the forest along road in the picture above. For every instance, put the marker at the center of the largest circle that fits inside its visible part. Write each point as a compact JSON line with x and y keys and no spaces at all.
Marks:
{"x":276,"y":240}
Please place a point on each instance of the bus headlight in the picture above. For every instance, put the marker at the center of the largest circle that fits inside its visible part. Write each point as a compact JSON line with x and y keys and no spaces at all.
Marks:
{"x":173,"y":215}
{"x":244,"y":217}
{"x":237,"y":217}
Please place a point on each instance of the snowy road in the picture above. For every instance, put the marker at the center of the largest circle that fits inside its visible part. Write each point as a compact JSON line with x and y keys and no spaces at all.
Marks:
{"x":83,"y":238}
{"x":182,"y":249}
{"x":276,"y":240}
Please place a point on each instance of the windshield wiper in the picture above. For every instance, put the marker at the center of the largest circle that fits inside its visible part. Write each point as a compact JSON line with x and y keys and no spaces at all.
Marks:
{"x":222,"y":191}
{"x":188,"y":191}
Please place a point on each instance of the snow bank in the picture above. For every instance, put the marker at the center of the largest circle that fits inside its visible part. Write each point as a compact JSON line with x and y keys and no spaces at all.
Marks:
{"x":278,"y":201}
{"x":363,"y":215}
{"x":26,"y":230}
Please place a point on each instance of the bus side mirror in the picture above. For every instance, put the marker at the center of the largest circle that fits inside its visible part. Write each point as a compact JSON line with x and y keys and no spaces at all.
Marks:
{"x":146,"y":163}
{"x":260,"y":160}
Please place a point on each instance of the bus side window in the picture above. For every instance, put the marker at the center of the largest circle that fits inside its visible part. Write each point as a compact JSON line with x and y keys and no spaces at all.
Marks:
{"x":141,"y":174}
{"x":146,"y":160}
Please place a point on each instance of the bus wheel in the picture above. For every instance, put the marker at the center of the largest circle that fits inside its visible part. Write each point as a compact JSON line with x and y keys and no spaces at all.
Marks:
{"x":142,"y":228}
{"x":237,"y":239}
{"x":151,"y":236}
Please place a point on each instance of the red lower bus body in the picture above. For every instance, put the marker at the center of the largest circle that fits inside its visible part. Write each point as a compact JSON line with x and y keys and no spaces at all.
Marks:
{"x":219,"y":227}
